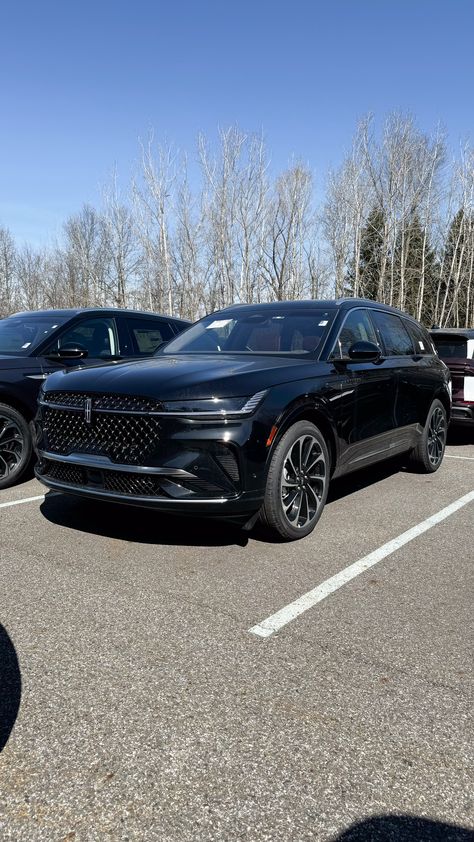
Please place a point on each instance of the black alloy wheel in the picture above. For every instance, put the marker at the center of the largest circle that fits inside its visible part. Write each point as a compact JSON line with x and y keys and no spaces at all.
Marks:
{"x":15,"y":445}
{"x":297,"y":483}
{"x":428,"y":454}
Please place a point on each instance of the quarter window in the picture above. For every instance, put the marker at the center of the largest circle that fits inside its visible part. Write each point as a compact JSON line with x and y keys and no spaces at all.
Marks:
{"x":394,"y":334}
{"x":421,"y":339}
{"x":356,"y":328}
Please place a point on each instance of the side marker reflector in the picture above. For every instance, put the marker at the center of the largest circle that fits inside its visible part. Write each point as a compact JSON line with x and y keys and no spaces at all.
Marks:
{"x":272,"y":435}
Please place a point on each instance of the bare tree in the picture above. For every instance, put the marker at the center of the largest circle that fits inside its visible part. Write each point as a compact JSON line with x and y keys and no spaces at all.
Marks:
{"x":122,"y":258}
{"x":190,"y":279}
{"x":8,"y":265}
{"x":349,"y":199}
{"x":454,"y":302}
{"x":152,"y":195}
{"x":290,"y":225}
{"x":31,"y":278}
{"x":394,"y":225}
{"x":85,"y":258}
{"x":221,"y":176}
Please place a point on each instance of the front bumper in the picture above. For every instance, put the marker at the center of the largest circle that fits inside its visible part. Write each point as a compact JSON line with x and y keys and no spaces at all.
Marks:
{"x":237,"y":508}
{"x":214,"y":469}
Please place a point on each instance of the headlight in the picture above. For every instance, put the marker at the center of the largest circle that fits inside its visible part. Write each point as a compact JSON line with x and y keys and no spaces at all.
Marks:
{"x":216,"y":406}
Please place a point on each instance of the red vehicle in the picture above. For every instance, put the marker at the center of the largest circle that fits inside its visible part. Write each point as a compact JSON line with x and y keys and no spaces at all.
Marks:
{"x":456,"y":348}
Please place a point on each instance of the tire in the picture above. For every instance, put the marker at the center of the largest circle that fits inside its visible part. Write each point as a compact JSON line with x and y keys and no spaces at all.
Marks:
{"x":428,"y":454}
{"x":15,"y":445}
{"x":297,"y":482}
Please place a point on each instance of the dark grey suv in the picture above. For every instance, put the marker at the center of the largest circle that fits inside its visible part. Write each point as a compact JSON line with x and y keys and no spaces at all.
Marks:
{"x":35,"y":344}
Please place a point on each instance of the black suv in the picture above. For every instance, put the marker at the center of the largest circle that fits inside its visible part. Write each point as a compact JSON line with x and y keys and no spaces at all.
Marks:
{"x":33,"y":345}
{"x":250,"y":412}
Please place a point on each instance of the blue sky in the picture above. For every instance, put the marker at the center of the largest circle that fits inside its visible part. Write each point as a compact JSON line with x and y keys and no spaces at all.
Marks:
{"x":81,"y":82}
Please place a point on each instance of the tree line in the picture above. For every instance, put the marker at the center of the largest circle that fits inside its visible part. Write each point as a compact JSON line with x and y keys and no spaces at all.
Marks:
{"x":395,"y":224}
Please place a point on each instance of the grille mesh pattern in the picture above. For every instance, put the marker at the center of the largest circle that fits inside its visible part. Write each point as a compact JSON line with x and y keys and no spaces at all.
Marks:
{"x":126,"y":439}
{"x":130,"y":403}
{"x":70,"y":474}
{"x":131,"y":484}
{"x":227,"y":460}
{"x":120,"y":482}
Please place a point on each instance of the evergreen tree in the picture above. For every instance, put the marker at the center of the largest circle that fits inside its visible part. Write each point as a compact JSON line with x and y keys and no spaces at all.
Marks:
{"x":370,"y":258}
{"x":371,"y":254}
{"x":418,"y":265}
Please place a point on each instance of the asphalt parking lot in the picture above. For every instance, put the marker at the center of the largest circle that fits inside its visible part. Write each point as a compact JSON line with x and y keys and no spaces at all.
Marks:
{"x":139,"y":703}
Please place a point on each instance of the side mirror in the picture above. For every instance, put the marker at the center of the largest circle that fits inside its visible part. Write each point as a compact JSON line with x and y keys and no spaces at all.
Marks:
{"x":364,"y":352}
{"x":68,"y":354}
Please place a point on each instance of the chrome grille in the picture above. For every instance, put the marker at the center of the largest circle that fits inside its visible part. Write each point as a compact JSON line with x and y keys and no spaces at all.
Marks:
{"x":125,"y":439}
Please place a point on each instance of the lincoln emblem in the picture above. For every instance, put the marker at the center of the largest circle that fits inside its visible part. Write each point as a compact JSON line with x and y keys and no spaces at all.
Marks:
{"x":88,"y":410}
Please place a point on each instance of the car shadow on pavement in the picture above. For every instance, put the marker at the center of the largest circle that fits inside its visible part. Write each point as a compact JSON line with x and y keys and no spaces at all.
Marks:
{"x":394,"y":828}
{"x":144,"y":526}
{"x":141,"y":526}
{"x":356,"y":481}
{"x":10,"y":686}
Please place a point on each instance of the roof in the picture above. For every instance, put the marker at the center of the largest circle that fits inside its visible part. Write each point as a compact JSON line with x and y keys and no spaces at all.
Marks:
{"x":70,"y":312}
{"x":327,"y":304}
{"x":465,"y":332}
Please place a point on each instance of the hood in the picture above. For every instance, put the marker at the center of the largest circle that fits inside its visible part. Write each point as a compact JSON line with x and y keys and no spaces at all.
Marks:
{"x":186,"y":376}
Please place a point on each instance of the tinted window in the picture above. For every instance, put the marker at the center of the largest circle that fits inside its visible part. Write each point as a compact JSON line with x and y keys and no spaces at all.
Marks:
{"x":357,"y":327}
{"x":394,"y":334}
{"x":96,"y":336}
{"x":450,"y":346}
{"x":421,"y":339}
{"x":148,"y":335}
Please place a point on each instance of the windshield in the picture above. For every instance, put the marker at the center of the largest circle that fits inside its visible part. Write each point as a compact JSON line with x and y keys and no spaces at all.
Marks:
{"x":282,"y":332}
{"x":19,"y":335}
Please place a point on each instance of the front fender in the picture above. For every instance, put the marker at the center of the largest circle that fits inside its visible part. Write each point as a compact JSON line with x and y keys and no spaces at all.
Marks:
{"x":311,"y":408}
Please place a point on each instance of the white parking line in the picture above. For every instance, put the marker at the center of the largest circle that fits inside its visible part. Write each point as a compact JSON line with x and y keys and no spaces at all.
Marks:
{"x":308,"y":600}
{"x":449,"y":456}
{"x":19,"y":502}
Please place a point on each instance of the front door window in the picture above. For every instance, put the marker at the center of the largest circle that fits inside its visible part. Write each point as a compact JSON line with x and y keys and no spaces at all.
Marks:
{"x":96,"y":336}
{"x":357,"y":327}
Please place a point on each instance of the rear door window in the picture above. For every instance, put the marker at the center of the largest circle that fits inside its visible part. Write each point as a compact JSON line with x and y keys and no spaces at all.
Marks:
{"x":394,"y":334}
{"x":148,"y":335}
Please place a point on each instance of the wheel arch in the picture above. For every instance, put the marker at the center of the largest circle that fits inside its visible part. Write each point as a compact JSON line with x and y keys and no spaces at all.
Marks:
{"x":11,"y":400}
{"x":316,"y":414}
{"x":443,"y":396}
